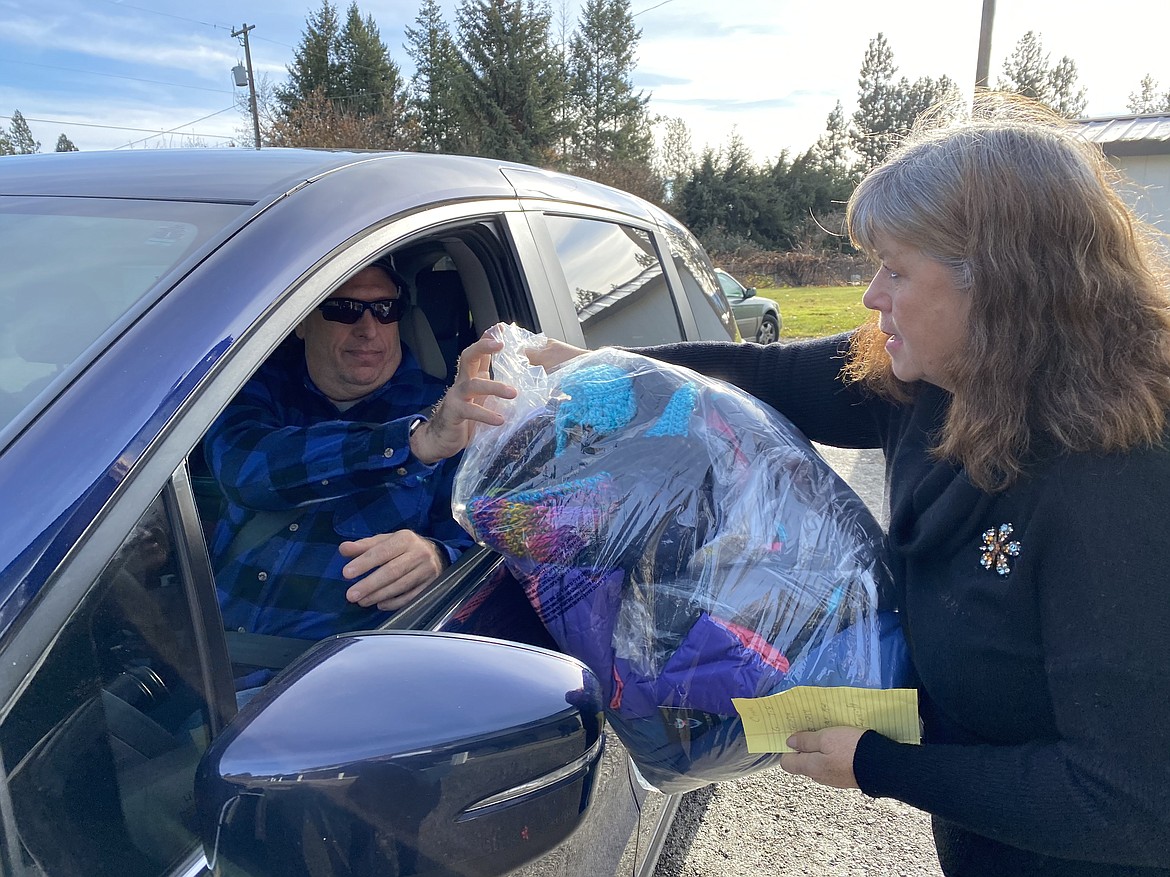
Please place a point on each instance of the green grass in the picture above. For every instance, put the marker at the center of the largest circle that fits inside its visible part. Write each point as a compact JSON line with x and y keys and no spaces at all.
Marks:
{"x":816,"y":311}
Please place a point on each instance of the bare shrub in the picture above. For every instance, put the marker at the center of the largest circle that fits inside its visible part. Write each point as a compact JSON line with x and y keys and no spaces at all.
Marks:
{"x":797,"y":268}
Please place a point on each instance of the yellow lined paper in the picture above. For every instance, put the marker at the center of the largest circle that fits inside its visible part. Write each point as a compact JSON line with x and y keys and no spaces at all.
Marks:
{"x":768,"y":721}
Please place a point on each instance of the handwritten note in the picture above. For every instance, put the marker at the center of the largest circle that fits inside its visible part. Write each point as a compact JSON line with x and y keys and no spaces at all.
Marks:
{"x":768,"y":721}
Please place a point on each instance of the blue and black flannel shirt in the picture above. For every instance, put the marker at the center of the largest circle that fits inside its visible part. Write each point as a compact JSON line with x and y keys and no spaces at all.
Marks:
{"x":282,"y":445}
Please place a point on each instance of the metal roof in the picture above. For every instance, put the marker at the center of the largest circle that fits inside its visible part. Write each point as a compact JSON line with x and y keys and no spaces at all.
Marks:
{"x":1130,"y":135}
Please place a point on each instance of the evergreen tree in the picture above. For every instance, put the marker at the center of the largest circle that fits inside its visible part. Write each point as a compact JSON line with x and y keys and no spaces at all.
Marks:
{"x":342,"y":82}
{"x":832,"y":154}
{"x":1147,"y":99}
{"x":5,"y":144}
{"x":887,"y":110}
{"x":510,"y":84}
{"x":875,"y":120}
{"x":912,"y":99}
{"x":727,"y":200}
{"x":20,"y":137}
{"x":699,"y":199}
{"x":610,"y":120}
{"x":436,"y":64}
{"x":675,"y":158}
{"x":64,"y":144}
{"x":1028,"y":71}
{"x":317,"y":62}
{"x":370,"y":82}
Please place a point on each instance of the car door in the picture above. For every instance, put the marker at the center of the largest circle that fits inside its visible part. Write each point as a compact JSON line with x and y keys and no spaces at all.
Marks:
{"x":98,"y":787}
{"x":746,"y":318}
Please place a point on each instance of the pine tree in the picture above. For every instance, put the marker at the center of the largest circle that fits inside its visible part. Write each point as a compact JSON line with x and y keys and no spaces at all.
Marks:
{"x":675,"y":157}
{"x":611,"y":125}
{"x":874,"y":121}
{"x":1028,"y":71}
{"x":510,"y":84}
{"x":914,"y":98}
{"x":370,"y":82}
{"x":20,"y":137}
{"x":64,"y":144}
{"x":5,"y":144}
{"x":316,"y":64}
{"x":1147,"y":99}
{"x":832,"y":152}
{"x":435,"y":67}
{"x":343,"y":82}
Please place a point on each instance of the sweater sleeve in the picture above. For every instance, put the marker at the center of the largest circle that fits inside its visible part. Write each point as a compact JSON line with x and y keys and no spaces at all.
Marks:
{"x":1099,"y":790}
{"x":801,"y":380}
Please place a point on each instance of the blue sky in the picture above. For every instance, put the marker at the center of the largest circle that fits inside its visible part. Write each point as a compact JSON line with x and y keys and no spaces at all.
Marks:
{"x":114,"y":74}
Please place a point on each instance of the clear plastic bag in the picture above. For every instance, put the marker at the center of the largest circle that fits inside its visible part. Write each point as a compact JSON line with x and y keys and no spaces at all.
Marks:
{"x":683,"y":540}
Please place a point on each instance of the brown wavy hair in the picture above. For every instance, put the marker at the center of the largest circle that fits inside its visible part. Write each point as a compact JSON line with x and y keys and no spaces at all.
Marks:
{"x":1068,"y":338}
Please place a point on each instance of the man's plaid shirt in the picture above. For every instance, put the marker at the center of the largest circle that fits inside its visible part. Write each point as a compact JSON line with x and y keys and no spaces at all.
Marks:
{"x":282,"y":445}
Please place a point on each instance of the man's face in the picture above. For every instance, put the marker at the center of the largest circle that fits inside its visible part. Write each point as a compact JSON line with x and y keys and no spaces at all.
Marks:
{"x":347,"y":362}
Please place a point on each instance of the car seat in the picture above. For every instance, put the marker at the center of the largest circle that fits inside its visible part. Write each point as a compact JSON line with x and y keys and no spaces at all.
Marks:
{"x":441,"y":298}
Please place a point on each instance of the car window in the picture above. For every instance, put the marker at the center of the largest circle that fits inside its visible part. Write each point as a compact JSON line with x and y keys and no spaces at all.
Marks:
{"x":101,"y":746}
{"x":731,"y":289}
{"x":700,"y":284}
{"x":617,"y":283}
{"x":73,"y":267}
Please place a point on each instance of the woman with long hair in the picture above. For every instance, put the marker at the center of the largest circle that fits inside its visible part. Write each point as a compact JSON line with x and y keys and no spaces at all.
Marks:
{"x":1016,"y":375}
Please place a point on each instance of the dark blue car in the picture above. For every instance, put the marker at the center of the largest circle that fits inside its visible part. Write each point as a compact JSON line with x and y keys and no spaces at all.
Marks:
{"x":139,"y":291}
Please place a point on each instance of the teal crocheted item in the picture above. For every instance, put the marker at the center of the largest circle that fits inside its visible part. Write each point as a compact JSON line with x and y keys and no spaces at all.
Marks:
{"x":675,"y":419}
{"x":600,"y":397}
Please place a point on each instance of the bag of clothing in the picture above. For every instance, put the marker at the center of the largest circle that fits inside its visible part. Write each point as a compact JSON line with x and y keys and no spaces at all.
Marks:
{"x":685,"y":542}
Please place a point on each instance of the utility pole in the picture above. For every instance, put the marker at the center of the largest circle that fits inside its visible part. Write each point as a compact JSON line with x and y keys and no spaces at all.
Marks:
{"x":983,"y":61}
{"x":243,"y":32}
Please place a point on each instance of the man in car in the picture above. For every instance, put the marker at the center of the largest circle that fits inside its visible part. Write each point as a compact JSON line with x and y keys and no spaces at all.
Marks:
{"x":337,"y":483}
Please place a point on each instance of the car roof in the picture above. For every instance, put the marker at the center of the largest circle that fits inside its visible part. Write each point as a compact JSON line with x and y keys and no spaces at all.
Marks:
{"x":231,"y":175}
{"x":259,"y":176}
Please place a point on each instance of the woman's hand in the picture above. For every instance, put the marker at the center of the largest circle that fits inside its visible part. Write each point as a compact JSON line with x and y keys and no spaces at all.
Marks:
{"x":825,"y":756}
{"x":553,"y":354}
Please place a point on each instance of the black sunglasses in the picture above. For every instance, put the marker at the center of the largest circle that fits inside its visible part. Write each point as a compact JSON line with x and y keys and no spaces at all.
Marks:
{"x":350,"y":310}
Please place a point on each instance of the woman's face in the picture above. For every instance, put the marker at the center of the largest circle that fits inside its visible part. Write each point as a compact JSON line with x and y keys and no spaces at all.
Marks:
{"x":921,"y":309}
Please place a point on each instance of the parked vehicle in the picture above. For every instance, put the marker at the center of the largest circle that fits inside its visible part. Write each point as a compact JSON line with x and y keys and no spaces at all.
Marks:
{"x":140,"y":291}
{"x":758,"y":318}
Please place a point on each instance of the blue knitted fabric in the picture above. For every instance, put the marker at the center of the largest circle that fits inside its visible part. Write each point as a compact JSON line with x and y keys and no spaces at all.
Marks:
{"x":600,"y":397}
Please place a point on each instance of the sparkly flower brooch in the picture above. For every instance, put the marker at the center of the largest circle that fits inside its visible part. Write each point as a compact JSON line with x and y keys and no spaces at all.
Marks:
{"x":996,"y":549}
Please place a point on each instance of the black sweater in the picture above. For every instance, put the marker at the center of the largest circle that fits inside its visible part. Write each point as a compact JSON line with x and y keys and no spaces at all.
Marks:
{"x":1045,"y":690}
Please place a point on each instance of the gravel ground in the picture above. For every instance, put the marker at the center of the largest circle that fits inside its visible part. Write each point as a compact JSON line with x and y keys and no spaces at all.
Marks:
{"x":781,"y":825}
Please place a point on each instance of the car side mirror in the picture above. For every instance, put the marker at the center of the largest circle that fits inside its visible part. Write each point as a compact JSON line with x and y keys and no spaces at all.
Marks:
{"x":400,"y":753}
{"x":749,"y":292}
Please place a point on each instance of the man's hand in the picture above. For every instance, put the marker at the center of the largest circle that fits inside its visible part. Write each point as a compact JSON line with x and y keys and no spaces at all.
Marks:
{"x":825,"y":756}
{"x":449,"y":429}
{"x":399,"y":566}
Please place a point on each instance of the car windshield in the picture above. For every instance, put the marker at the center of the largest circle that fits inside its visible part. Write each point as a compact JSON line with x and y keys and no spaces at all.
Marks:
{"x":72,"y":267}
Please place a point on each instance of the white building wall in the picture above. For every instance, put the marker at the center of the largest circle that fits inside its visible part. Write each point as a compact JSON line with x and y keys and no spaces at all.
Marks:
{"x":1151,"y":174}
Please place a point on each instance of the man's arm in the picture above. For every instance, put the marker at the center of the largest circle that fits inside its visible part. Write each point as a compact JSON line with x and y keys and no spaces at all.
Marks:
{"x":261,"y":462}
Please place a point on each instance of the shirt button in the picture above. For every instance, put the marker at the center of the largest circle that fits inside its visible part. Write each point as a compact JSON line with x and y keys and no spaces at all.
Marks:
{"x":325,"y":483}
{"x":294,"y":527}
{"x":262,"y":576}
{"x":240,"y":629}
{"x":389,"y":452}
{"x":401,"y":470}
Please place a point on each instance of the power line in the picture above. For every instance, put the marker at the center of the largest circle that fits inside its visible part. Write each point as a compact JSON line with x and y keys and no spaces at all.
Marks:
{"x":192,"y":21}
{"x":167,"y":14}
{"x":124,"y":128}
{"x":650,"y":8}
{"x":113,"y":76}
